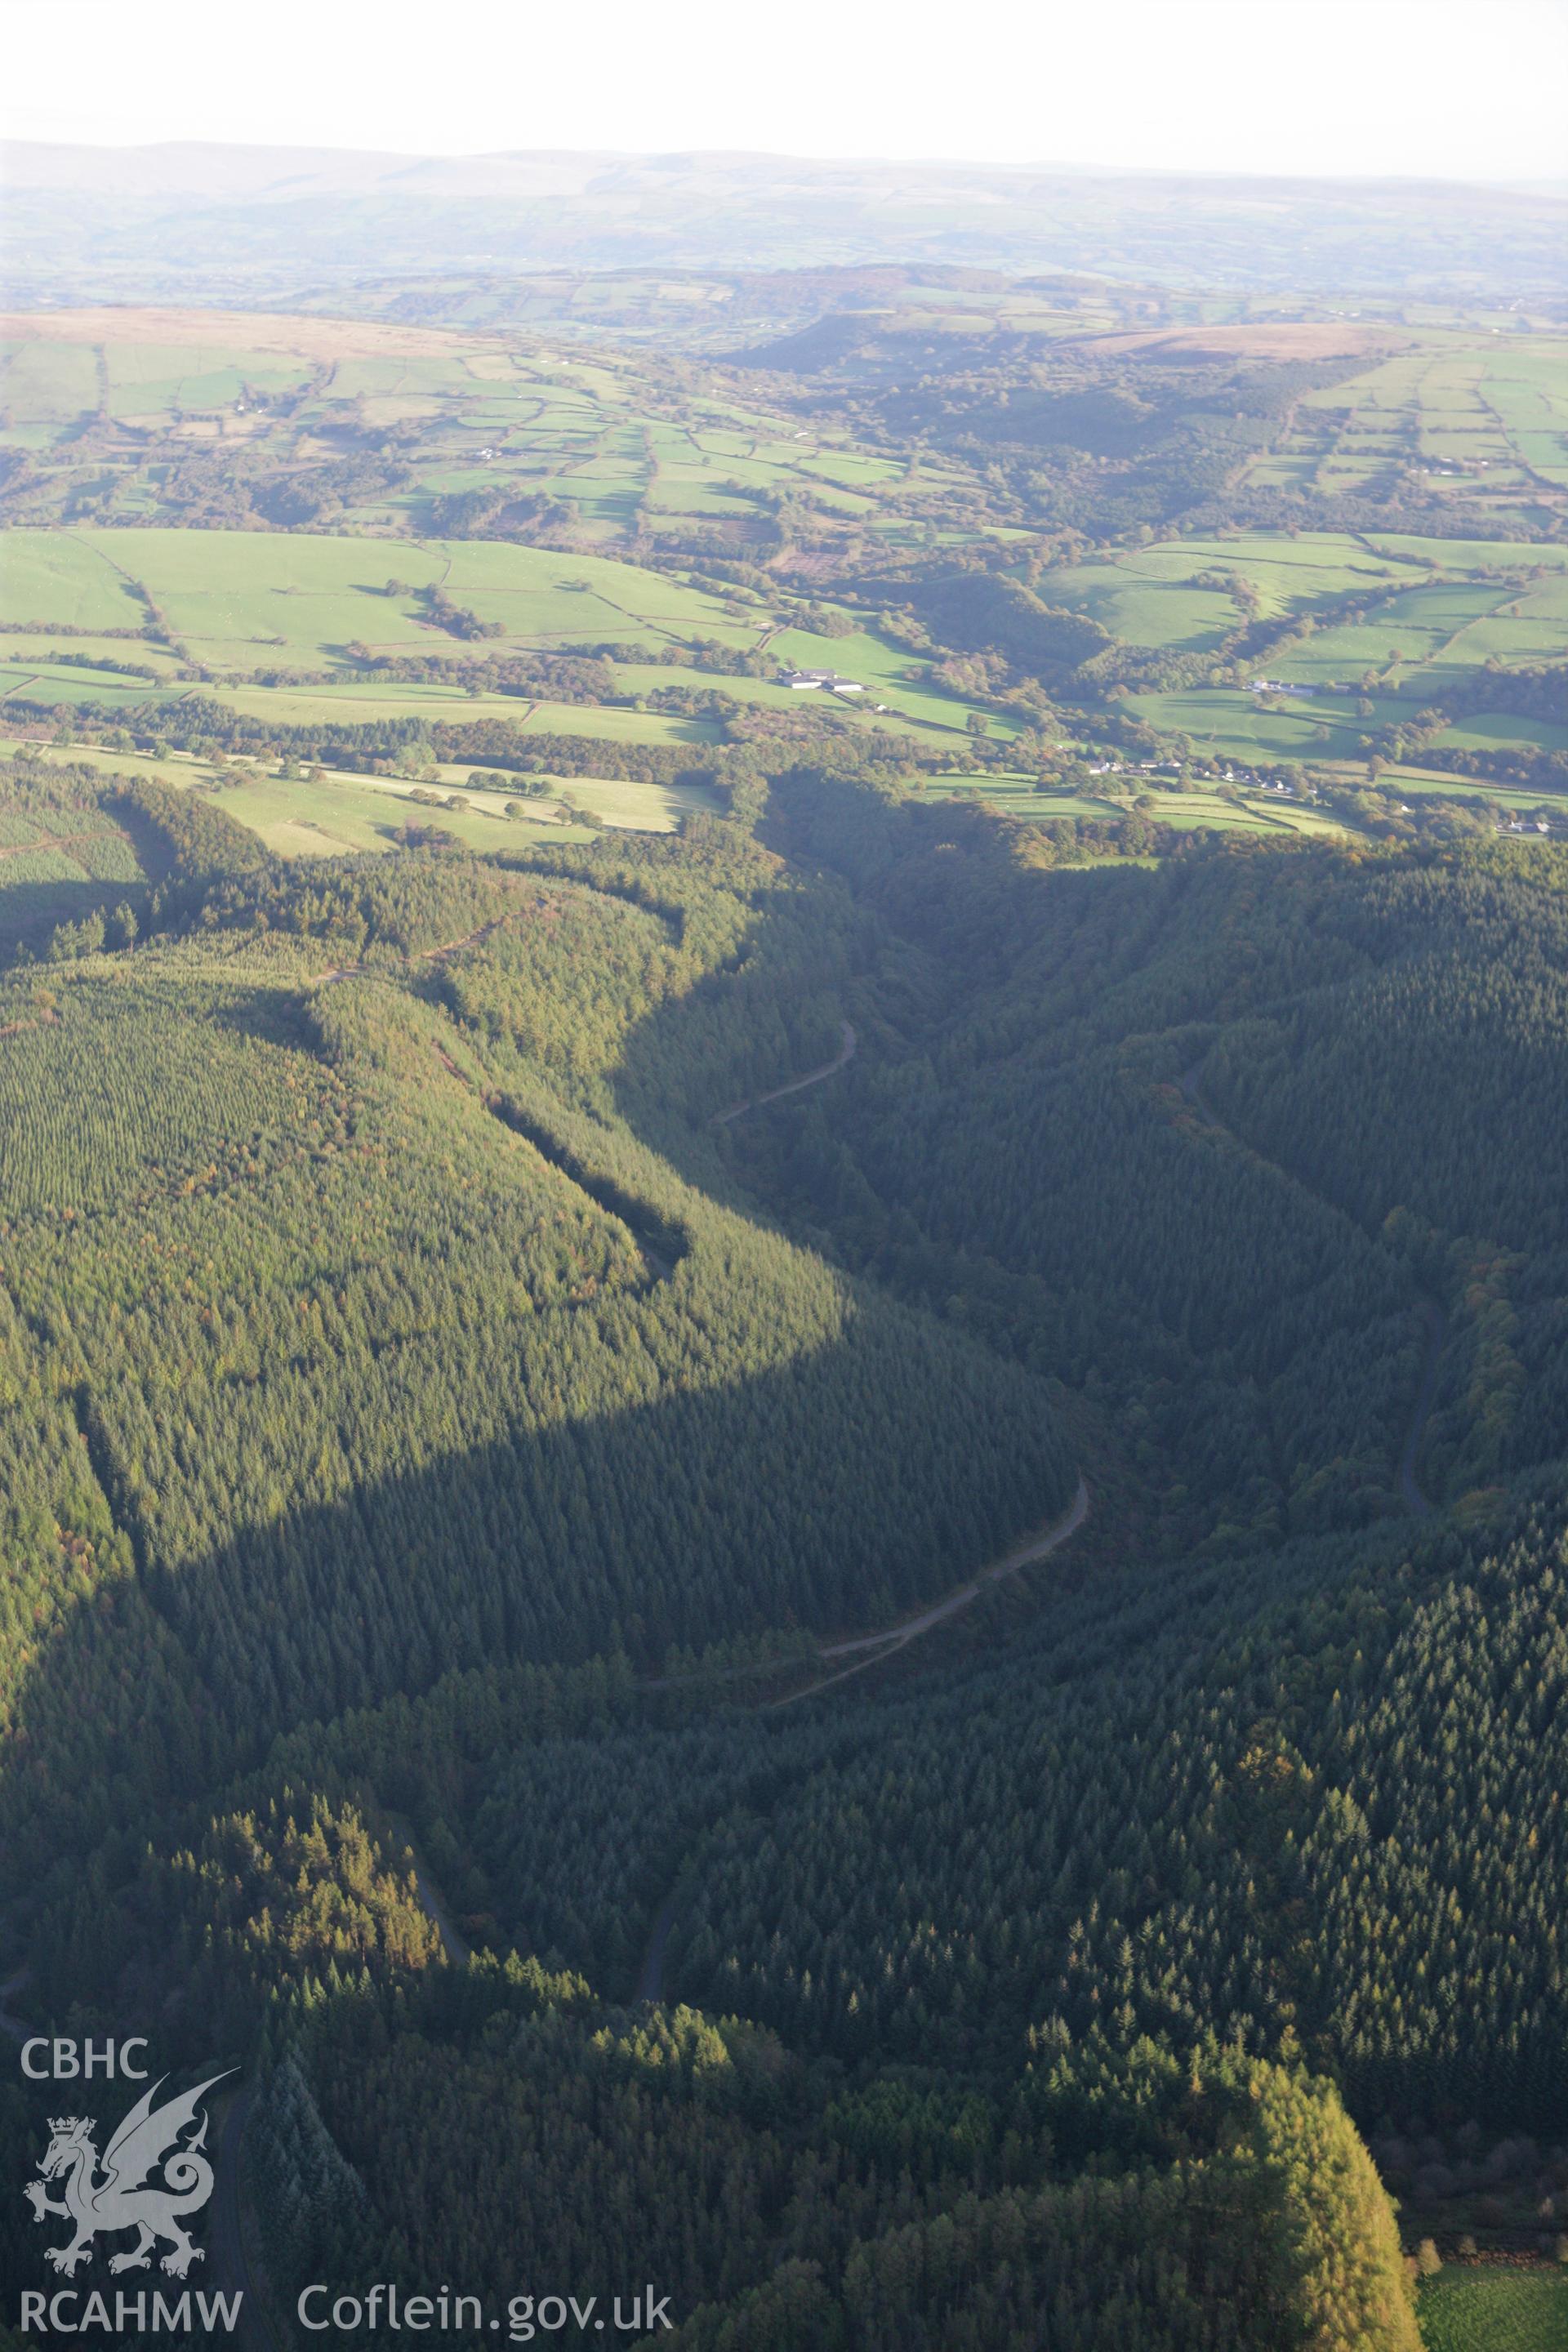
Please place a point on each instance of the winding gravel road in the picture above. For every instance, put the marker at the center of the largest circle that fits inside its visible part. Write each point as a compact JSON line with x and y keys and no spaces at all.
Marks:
{"x":812,"y":1078}
{"x":869,"y":1650}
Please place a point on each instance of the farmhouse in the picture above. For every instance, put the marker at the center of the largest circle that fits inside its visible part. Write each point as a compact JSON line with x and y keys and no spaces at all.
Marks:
{"x":803,"y":681}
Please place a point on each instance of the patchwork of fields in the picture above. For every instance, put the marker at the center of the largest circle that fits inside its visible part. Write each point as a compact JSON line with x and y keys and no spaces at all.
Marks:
{"x":1252,"y":646}
{"x":1429,"y":613}
{"x":240,"y":604}
{"x":1482,"y":420}
{"x":122,"y":427}
{"x":288,"y":628}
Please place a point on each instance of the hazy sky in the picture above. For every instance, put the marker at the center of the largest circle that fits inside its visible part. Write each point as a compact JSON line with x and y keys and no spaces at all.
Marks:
{"x":1461,"y":89}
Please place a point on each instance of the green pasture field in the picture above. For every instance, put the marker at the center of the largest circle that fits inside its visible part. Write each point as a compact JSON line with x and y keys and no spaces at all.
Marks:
{"x":909,"y":712}
{"x":1532,"y":406}
{"x":1187,"y":811}
{"x":47,"y":384}
{"x":1437,"y":782}
{"x":1297,"y":571}
{"x":1496,"y":730}
{"x":353,"y":704}
{"x":1424,"y":628}
{"x":852,"y":470}
{"x":609,"y":725}
{"x":1425,"y":635}
{"x":1411,"y":781}
{"x":243,"y":602}
{"x":636,"y":808}
{"x":284,"y":595}
{"x":1148,"y":596}
{"x":50,"y":683}
{"x":343,"y":812}
{"x":1017,"y":796}
{"x":1489,"y":2308}
{"x":24,"y":647}
{"x":1531,"y":624}
{"x":246,"y":602}
{"x":543,"y":597}
{"x":248,"y":599}
{"x":1231,"y":724}
{"x":1471,"y":555}
{"x":1135,"y":603}
{"x":888,"y":678}
{"x":1264,"y":814}
{"x":154,"y":380}
{"x":59,"y":576}
{"x":1199,"y":810}
{"x":60,"y":382}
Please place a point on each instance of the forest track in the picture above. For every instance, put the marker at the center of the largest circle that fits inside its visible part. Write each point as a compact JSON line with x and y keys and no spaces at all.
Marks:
{"x":433,"y":1903}
{"x":871,"y":1649}
{"x":650,"y":1976}
{"x":890,"y":1638}
{"x":398,"y":1830}
{"x":813,"y":1077}
{"x":1421,"y":1411}
{"x":337,"y":972}
{"x":1024,"y":1554}
{"x":1418,"y":1504}
{"x":230,"y":2271}
{"x":61,"y":841}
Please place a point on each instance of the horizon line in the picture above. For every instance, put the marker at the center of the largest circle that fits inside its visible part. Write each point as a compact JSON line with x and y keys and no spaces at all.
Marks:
{"x":1550,"y":187}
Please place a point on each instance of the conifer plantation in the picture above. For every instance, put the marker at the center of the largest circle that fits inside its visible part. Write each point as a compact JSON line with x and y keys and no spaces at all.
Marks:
{"x":436,"y":1413}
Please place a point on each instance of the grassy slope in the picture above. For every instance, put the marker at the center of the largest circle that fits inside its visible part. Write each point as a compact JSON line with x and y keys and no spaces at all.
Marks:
{"x":246,"y":602}
{"x":345,"y":811}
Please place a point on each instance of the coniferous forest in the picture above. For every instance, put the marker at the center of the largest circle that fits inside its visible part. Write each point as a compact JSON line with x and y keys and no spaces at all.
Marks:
{"x":440,"y":1438}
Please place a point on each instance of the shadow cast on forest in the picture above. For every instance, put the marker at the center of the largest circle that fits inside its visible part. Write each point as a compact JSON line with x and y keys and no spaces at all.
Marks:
{"x":718,"y":1511}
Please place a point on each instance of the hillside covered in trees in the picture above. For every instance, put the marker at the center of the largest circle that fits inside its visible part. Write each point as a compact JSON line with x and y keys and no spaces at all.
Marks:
{"x":460,"y":1386}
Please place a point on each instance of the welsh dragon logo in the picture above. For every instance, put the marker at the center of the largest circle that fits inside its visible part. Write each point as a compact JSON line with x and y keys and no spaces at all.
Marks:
{"x":124,"y":2196}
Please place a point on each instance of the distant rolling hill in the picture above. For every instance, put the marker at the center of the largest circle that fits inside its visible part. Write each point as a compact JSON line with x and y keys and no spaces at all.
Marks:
{"x":203,"y":220}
